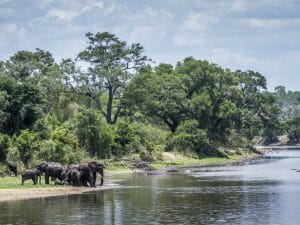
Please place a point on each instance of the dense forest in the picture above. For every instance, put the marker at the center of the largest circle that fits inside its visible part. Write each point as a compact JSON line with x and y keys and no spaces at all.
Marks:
{"x":110,"y":101}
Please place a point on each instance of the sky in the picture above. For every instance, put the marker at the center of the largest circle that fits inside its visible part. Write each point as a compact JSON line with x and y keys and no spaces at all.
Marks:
{"x":260,"y":35}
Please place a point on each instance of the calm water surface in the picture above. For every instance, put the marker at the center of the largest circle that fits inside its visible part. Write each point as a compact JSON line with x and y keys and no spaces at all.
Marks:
{"x":266,"y":191}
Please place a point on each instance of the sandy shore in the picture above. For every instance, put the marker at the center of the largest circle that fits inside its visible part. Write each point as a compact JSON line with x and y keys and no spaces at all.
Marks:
{"x":28,"y":193}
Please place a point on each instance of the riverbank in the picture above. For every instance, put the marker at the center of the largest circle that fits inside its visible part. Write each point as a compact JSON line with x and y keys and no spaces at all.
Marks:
{"x":10,"y":188}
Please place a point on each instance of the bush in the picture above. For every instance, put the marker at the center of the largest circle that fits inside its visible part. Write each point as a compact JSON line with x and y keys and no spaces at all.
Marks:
{"x":95,"y":135}
{"x":188,"y":137}
{"x":293,"y":129}
{"x":62,"y":147}
{"x":27,"y":144}
{"x":152,"y":141}
{"x":126,"y":139}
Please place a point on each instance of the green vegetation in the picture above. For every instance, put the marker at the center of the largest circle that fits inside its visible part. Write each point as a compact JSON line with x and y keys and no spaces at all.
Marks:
{"x":9,"y":182}
{"x":119,"y":106}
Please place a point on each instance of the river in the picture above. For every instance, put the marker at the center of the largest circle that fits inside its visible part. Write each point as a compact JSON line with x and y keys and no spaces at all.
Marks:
{"x":265,"y":191}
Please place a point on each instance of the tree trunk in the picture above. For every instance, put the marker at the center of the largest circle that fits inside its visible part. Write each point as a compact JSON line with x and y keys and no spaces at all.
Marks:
{"x":109,"y":105}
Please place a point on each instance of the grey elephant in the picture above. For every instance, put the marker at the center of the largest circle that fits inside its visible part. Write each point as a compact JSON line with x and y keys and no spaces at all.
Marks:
{"x":53,"y":170}
{"x":12,"y":166}
{"x":97,"y":167}
{"x":75,"y":176}
{"x":89,"y":173}
{"x":33,"y":174}
{"x":87,"y":176}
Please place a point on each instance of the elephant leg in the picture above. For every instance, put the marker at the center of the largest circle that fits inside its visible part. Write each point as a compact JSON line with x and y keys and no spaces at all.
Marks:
{"x":102,"y":178}
{"x":46,"y":178}
{"x":94,"y":178}
{"x":23,"y":179}
{"x":91,"y":180}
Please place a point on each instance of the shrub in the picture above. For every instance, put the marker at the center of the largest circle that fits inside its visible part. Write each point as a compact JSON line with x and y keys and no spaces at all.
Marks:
{"x":95,"y":135}
{"x":62,"y":147}
{"x":188,"y":137}
{"x":27,"y":144}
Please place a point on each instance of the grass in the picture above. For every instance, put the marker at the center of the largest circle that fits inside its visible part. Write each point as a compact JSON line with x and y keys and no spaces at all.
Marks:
{"x":186,"y":161}
{"x":10,"y":182}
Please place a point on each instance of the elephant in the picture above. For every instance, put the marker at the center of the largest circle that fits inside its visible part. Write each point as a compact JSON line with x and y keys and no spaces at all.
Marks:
{"x":66,"y":174}
{"x":89,"y":172}
{"x":33,"y":174}
{"x":75,"y":177}
{"x":86,"y":175}
{"x":12,"y":166}
{"x":97,"y":167}
{"x":53,"y":170}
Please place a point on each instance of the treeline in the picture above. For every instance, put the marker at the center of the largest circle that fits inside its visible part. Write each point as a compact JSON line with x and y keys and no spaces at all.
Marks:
{"x":109,"y":102}
{"x":289,"y":117}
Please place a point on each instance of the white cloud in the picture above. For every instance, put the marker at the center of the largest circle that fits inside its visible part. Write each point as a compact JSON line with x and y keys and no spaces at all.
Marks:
{"x":238,"y":6}
{"x":199,"y":21}
{"x":273,"y":24}
{"x":145,"y":33}
{"x":234,"y":60}
{"x":150,"y":14}
{"x":187,"y":40}
{"x":67,"y":15}
{"x":61,"y":14}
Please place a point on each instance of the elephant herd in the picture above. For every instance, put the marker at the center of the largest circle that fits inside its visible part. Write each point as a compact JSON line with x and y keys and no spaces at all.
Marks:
{"x":73,"y":174}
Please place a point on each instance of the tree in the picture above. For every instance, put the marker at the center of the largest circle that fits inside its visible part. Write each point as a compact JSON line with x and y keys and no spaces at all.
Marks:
{"x":259,"y":110}
{"x":26,"y":144}
{"x":159,"y":94}
{"x":93,"y":134}
{"x":293,"y":129}
{"x":112,"y":64}
{"x":20,"y":105}
{"x":4,"y":145}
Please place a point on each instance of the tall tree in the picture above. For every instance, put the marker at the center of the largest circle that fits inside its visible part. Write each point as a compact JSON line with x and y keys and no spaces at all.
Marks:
{"x":112,"y":63}
{"x":159,"y":94}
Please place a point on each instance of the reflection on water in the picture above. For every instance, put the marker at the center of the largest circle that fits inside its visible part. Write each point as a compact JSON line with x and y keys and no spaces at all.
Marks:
{"x":264,"y":192}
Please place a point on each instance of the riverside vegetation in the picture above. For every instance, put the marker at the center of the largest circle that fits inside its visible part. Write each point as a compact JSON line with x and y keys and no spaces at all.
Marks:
{"x":110,"y":102}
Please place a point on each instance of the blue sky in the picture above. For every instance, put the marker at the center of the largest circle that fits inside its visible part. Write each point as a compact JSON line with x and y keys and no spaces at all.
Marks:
{"x":238,"y":34}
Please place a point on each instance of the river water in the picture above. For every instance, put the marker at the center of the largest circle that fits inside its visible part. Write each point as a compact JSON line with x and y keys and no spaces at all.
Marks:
{"x":265,"y":191}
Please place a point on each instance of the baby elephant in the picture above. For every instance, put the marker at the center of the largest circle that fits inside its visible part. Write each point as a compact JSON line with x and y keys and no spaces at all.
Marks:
{"x":33,"y":174}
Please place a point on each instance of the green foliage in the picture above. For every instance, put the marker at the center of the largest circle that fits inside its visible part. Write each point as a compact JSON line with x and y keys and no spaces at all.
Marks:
{"x":112,"y":64}
{"x":293,"y":129}
{"x":189,"y":137}
{"x":26,"y":143}
{"x":20,"y":105}
{"x":4,"y":145}
{"x":126,"y":139}
{"x":93,"y":133}
{"x":152,"y":141}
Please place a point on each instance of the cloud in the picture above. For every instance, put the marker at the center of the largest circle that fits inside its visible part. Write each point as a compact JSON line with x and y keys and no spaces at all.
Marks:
{"x":60,"y":14}
{"x":188,"y":40}
{"x":150,"y":14}
{"x":199,"y":21}
{"x":238,"y":6}
{"x":233,"y":60}
{"x":67,"y":15}
{"x":273,"y":24}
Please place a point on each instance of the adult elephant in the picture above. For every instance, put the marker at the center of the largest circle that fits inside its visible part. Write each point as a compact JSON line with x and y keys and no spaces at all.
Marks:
{"x":75,"y":177}
{"x":12,"y":166}
{"x":87,"y":174}
{"x":97,"y":167}
{"x":53,"y":170}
